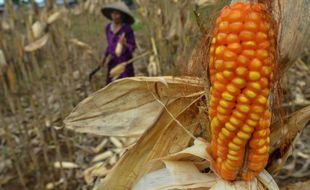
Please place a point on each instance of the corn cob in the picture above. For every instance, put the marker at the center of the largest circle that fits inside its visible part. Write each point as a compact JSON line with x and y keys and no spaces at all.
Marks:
{"x":241,"y":65}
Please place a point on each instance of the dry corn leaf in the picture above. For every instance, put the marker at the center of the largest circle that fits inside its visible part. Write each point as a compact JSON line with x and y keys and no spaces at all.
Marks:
{"x":37,"y":44}
{"x":282,"y":138}
{"x":294,"y":29}
{"x":168,"y":135}
{"x":116,"y":110}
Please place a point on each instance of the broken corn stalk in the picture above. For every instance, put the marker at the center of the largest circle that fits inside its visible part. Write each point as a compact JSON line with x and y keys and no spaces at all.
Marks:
{"x":242,"y":61}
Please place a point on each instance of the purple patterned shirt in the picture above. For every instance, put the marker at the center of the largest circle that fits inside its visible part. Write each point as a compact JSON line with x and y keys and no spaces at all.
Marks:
{"x":127,"y":52}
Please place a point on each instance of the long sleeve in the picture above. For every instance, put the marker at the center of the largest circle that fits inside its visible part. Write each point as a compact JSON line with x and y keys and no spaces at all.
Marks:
{"x":131,"y":42}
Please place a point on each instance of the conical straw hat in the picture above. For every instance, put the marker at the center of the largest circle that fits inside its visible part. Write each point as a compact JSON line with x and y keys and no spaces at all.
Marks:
{"x":118,"y":6}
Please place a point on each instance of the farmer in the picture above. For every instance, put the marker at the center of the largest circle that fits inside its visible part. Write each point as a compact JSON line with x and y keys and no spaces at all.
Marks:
{"x":120,"y":38}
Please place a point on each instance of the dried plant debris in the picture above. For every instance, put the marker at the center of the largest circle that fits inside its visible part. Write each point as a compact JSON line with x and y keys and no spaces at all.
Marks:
{"x":39,"y":88}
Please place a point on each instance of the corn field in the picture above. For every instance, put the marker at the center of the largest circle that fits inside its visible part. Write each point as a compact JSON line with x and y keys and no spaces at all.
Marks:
{"x":59,"y":130}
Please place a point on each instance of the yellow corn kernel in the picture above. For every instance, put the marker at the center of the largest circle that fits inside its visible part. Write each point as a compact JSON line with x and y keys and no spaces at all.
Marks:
{"x":243,"y":99}
{"x":230,"y":127}
{"x":228,"y":74}
{"x":211,"y":52}
{"x":238,"y":141}
{"x":261,"y":53}
{"x":239,"y":114}
{"x":226,"y":104}
{"x":241,"y":71}
{"x":249,"y":93}
{"x":226,"y":132}
{"x":227,"y":96}
{"x":263,"y":150}
{"x":215,"y":123}
{"x":251,"y":123}
{"x":222,"y":110}
{"x":254,"y":75}
{"x":255,"y":86}
{"x":249,"y":44}
{"x":244,"y":108}
{"x":219,"y":50}
{"x":247,"y":129}
{"x":257,"y":109}
{"x":235,"y":121}
{"x":231,"y":157}
{"x":233,"y":146}
{"x":213,"y":41}
{"x":232,"y":89}
{"x":239,"y":82}
{"x":243,"y":135}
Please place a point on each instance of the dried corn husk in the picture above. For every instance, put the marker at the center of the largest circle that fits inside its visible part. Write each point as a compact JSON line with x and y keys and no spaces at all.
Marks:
{"x":91,"y":8}
{"x":53,"y":17}
{"x":152,"y":68}
{"x":37,"y":44}
{"x":38,"y":29}
{"x":204,"y":3}
{"x":79,"y":43}
{"x":117,"y":71}
{"x":6,"y":26}
{"x":103,"y":156}
{"x":65,"y":165}
{"x":118,"y":49}
{"x":120,"y":68}
{"x":171,"y":133}
{"x":185,"y":174}
{"x":3,"y":63}
{"x":115,"y":111}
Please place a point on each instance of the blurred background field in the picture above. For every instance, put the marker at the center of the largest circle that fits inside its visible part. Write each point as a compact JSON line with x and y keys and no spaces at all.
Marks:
{"x":41,"y":85}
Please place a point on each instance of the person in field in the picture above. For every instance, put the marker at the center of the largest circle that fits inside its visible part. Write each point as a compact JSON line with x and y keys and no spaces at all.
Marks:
{"x":120,"y":38}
